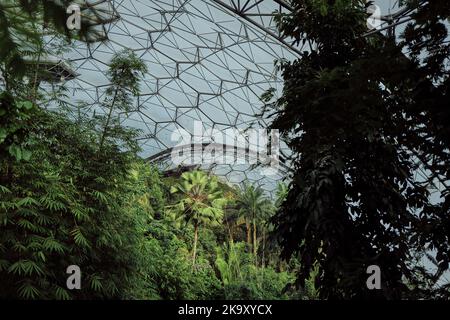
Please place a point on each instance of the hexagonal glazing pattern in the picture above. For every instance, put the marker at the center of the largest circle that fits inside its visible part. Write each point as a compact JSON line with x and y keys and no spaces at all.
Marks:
{"x":207,"y":60}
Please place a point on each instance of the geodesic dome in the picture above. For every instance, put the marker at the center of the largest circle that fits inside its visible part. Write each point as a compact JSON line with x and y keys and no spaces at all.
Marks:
{"x":209,"y":62}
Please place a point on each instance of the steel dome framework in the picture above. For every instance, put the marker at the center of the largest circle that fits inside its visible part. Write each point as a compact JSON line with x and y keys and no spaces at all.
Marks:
{"x":208,"y":61}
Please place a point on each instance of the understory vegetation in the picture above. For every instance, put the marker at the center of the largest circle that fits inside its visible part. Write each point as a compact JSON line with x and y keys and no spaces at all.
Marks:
{"x":74,"y":192}
{"x":134,"y":233}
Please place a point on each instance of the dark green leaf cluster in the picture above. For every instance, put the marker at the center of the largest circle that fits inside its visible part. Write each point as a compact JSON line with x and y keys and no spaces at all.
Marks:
{"x":364,"y":115}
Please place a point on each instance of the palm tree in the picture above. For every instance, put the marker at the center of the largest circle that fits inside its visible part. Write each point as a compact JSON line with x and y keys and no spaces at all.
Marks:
{"x":201,"y":201}
{"x":281,"y":194}
{"x":254,"y":207}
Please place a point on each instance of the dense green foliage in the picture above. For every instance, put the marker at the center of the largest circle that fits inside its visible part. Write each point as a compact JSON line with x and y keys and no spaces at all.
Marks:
{"x":74,"y":192}
{"x":200,"y":202}
{"x":110,"y":213}
{"x":360,"y":112}
{"x":255,"y":209}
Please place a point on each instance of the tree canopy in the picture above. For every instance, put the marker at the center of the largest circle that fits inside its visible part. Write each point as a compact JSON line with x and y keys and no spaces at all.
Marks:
{"x":361,"y":116}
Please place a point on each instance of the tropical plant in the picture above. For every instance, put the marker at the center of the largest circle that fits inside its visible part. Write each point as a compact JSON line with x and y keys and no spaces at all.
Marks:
{"x":64,"y":202}
{"x":255,"y":208}
{"x":63,"y":208}
{"x":125,"y":73}
{"x":362,"y":114}
{"x":228,"y":262}
{"x":280,"y":194}
{"x":201,"y":201}
{"x":169,"y":264}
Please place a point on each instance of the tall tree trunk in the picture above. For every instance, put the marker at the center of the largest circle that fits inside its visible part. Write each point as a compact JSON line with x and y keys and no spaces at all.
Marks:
{"x":230,"y":233}
{"x":194,"y":250}
{"x":255,"y":249}
{"x":108,"y":120}
{"x":264,"y":247}
{"x":249,"y":239}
